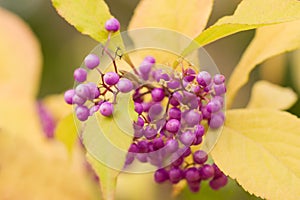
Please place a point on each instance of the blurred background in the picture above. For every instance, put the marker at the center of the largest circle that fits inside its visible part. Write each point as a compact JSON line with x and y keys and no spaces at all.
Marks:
{"x":64,"y":48}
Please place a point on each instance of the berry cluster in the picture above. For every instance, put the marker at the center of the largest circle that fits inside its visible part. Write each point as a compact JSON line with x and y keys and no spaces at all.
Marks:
{"x":174,"y":110}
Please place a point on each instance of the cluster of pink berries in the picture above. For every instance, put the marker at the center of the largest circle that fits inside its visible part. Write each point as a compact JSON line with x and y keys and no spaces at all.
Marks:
{"x":174,"y":110}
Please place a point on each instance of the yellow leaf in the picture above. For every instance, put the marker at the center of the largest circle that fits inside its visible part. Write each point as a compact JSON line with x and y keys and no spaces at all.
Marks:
{"x":20,"y":65}
{"x":57,"y":106}
{"x":267,"y":95}
{"x":88,"y":16}
{"x":260,"y":148}
{"x":66,"y":132}
{"x":251,"y":14}
{"x":187,"y":17}
{"x":269,"y":41}
{"x":42,"y":170}
{"x":268,"y":73}
{"x":296,"y":70}
{"x":20,"y":59}
{"x":107,"y":175}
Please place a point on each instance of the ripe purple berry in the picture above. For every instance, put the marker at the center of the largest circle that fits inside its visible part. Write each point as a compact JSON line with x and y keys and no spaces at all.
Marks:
{"x":192,"y":117}
{"x":171,"y":146}
{"x":111,"y":78}
{"x":124,"y":85}
{"x":82,"y":91}
{"x":68,"y":96}
{"x":80,"y":75}
{"x":219,"y":79}
{"x":175,"y":175}
{"x":82,"y":113}
{"x":106,"y":109}
{"x":200,"y":157}
{"x":112,"y":25}
{"x":192,"y":174}
{"x":206,"y":172}
{"x":157,"y":94}
{"x":218,"y":182}
{"x":91,"y":61}
{"x":173,"y":125}
{"x":220,"y":89}
{"x":161,"y":175}
{"x":213,"y":106}
{"x":204,"y":78}
{"x":187,"y":138}
{"x":94,"y":109}
{"x":78,"y":100}
{"x":216,"y":121}
{"x":175,"y":113}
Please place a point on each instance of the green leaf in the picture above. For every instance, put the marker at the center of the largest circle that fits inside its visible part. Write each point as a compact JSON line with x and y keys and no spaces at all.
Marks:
{"x":66,"y":132}
{"x":268,"y":41}
{"x":189,"y":18}
{"x":107,"y":176}
{"x":88,"y":16}
{"x":260,"y":148}
{"x":267,"y":95}
{"x":251,"y":14}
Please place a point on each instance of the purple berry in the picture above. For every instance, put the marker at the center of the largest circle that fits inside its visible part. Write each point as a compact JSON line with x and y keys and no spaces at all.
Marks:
{"x":80,"y":75}
{"x":140,"y":122}
{"x":199,"y":130}
{"x":68,"y":96}
{"x":106,"y":109}
{"x":218,"y":182}
{"x":142,"y":157}
{"x":138,"y":108}
{"x":91,"y":61}
{"x":194,"y":186}
{"x":133,"y":148}
{"x":111,"y":78}
{"x":178,"y":162}
{"x":155,"y":111}
{"x":192,"y":117}
{"x":171,"y":146}
{"x":124,"y":85}
{"x":192,"y":174}
{"x":158,"y":143}
{"x":206,"y":172}
{"x":112,"y":25}
{"x":150,"y":132}
{"x":150,"y":59}
{"x":220,"y":89}
{"x":173,"y":84}
{"x":219,"y":79}
{"x":213,"y":106}
{"x":173,"y":125}
{"x":216,"y":121}
{"x":78,"y":100}
{"x":187,"y":138}
{"x":94,"y":91}
{"x":204,"y":78}
{"x":200,"y":157}
{"x":189,"y":75}
{"x":145,"y":67}
{"x":94,"y":109}
{"x":174,"y":102}
{"x":175,"y":175}
{"x":143,"y":146}
{"x":157,"y":94}
{"x":82,"y":113}
{"x":161,"y":175}
{"x":175,"y":113}
{"x":205,"y":113}
{"x":83,"y":91}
